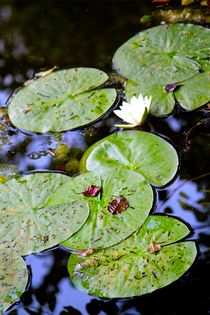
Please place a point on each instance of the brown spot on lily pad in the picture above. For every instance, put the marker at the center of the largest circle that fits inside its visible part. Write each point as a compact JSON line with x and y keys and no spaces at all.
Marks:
{"x":45,"y":238}
{"x":84,"y":253}
{"x":91,"y":191}
{"x":153,"y":247}
{"x":118,"y":205}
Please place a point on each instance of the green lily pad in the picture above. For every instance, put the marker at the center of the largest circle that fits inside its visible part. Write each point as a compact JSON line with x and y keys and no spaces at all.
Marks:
{"x":143,"y":152}
{"x":30,"y":221}
{"x":194,"y":92}
{"x":61,"y":100}
{"x":103,"y":228}
{"x":163,"y":54}
{"x":13,"y":275}
{"x":130,"y":268}
{"x":162,"y":102}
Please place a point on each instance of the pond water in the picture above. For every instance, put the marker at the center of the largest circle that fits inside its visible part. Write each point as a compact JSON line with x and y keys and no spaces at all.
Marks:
{"x":39,"y":35}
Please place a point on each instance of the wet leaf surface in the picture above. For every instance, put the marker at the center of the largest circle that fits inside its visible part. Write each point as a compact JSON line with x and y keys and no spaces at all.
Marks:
{"x":13,"y":275}
{"x":129,"y":269}
{"x":162,"y":103}
{"x":195,"y":92}
{"x":31,"y":219}
{"x":143,"y":152}
{"x":61,"y":100}
{"x":163,"y":54}
{"x":103,"y":229}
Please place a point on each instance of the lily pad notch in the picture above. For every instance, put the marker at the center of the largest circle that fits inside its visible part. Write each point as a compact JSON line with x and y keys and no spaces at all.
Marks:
{"x":61,"y":100}
{"x":163,"y":56}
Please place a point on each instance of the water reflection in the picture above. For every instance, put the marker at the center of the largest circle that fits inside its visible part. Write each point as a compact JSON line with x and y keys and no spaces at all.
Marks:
{"x":36,"y":35}
{"x":4,"y":94}
{"x":190,"y":201}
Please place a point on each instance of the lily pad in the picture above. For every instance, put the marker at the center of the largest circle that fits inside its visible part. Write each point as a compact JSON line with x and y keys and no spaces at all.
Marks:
{"x":143,"y":152}
{"x":130,"y":268}
{"x":13,"y":275}
{"x":31,"y":220}
{"x":162,"y":102}
{"x":61,"y":100}
{"x":194,"y":92}
{"x":103,"y":228}
{"x":163,"y":54}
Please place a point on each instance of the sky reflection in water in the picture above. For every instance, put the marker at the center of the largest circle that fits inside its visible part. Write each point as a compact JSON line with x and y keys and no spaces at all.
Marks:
{"x":80,"y":34}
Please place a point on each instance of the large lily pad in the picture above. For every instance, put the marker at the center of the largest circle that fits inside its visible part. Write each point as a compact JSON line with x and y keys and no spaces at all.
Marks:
{"x":130,"y":268}
{"x":13,"y":275}
{"x":163,"y":54}
{"x":162,"y":102}
{"x":61,"y":100}
{"x":103,"y":228}
{"x":30,"y":221}
{"x":195,"y":92}
{"x":143,"y":152}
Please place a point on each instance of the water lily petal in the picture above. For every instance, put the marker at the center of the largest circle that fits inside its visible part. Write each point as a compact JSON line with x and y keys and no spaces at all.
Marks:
{"x":135,"y":111}
{"x":125,"y":115}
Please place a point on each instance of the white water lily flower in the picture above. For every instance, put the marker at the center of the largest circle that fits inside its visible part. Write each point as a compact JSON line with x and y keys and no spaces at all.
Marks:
{"x":134,"y":112}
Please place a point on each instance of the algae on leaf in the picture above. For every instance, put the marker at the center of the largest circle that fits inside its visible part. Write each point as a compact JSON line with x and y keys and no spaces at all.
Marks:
{"x":61,"y":100}
{"x":130,"y":268}
{"x":31,"y":220}
{"x":13,"y":275}
{"x":163,"y":54}
{"x":195,"y":92}
{"x":166,"y":55}
{"x":105,"y":228}
{"x":162,"y":102}
{"x":143,"y":152}
{"x":40,"y":210}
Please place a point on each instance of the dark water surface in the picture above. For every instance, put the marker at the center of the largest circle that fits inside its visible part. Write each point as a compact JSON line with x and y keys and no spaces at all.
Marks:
{"x":36,"y":35}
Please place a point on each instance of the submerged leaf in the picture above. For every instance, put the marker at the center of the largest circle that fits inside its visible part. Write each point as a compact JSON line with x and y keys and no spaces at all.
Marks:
{"x":128,"y":269}
{"x":13,"y":275}
{"x":61,"y":100}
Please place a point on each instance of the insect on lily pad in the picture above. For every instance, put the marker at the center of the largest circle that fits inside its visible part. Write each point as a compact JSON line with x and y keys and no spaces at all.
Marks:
{"x":102,"y":228}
